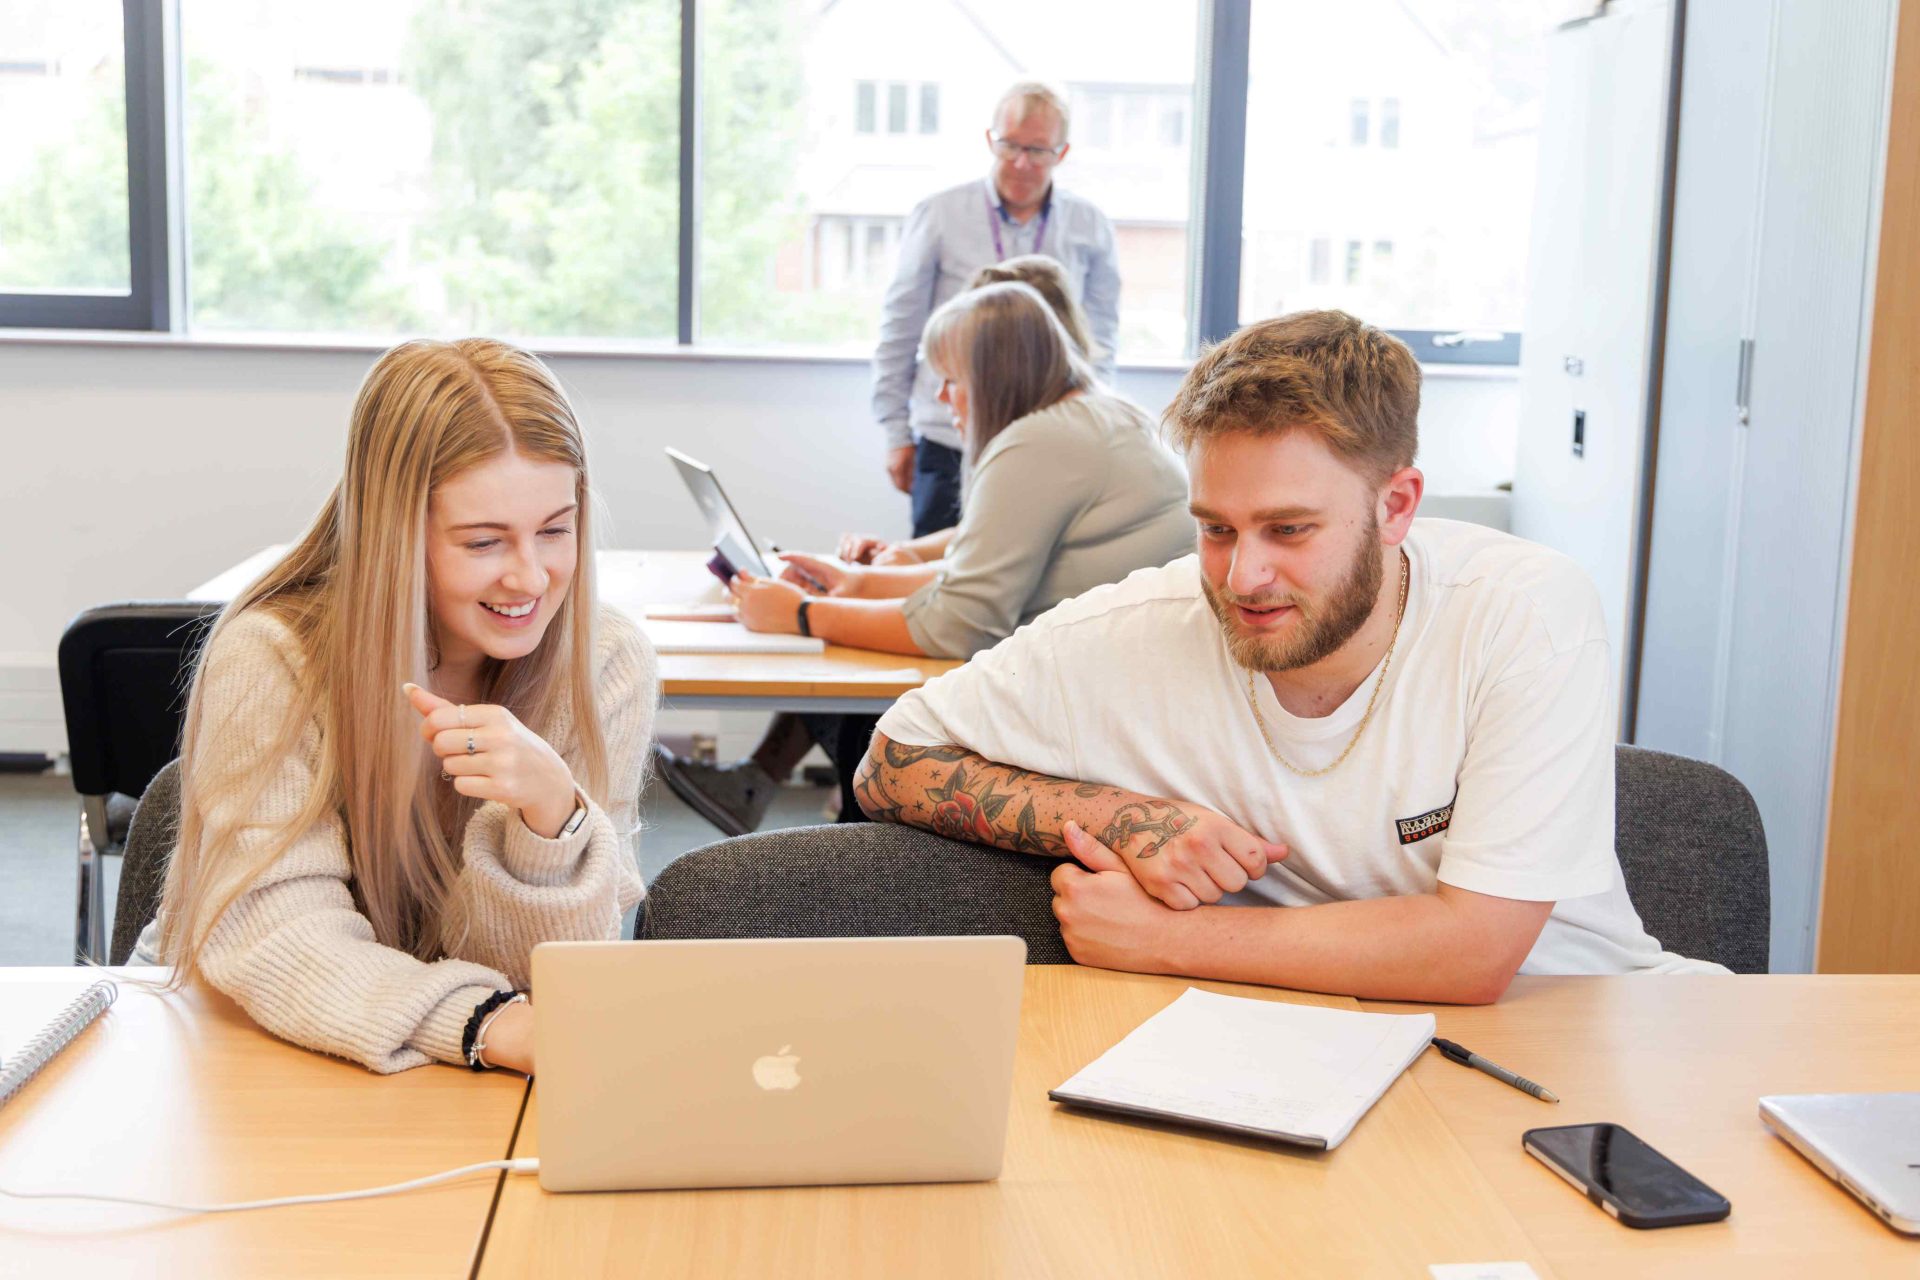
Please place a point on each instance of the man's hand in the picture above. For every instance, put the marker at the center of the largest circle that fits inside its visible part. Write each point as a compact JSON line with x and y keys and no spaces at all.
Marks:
{"x":900,"y":467}
{"x":818,"y":576}
{"x":1184,"y":854}
{"x":1106,"y":918}
{"x":490,"y":755}
{"x":896,"y":555}
{"x":766,"y":604}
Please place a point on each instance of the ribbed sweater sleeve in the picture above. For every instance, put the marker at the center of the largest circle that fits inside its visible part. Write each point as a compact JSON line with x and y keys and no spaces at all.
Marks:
{"x":296,"y":953}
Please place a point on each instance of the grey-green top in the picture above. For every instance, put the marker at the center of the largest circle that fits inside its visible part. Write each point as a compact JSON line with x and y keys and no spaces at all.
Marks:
{"x":1070,"y":498}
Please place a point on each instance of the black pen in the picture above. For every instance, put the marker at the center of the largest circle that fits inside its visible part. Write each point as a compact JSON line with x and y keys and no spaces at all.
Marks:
{"x":1468,"y":1058}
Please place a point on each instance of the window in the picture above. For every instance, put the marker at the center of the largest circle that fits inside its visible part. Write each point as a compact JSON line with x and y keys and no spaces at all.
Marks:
{"x":361,"y":169}
{"x":782,"y":66}
{"x":1472,"y":71}
{"x":514,"y":166}
{"x":77,"y":203}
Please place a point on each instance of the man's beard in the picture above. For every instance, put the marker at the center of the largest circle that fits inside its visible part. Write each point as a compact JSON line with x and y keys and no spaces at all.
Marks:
{"x":1321,"y":627}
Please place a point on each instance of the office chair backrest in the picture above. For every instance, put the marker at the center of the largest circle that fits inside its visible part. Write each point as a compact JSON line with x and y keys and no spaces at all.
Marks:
{"x":1688,"y":834}
{"x":124,"y":670}
{"x":1694,"y":856}
{"x":851,"y":880}
{"x":143,"y":868}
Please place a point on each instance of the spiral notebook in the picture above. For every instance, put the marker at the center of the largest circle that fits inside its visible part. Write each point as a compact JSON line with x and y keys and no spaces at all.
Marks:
{"x":17,"y":1066}
{"x":1293,"y":1073}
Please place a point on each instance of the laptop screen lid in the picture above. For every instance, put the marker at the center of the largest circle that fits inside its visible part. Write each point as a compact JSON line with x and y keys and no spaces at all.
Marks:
{"x":725,"y":528}
{"x":774,"y":1062}
{"x":1867,"y":1142}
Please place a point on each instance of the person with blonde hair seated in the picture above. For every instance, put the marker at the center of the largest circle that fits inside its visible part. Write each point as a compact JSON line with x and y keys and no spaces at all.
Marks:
{"x":1070,"y":489}
{"x":414,"y":747}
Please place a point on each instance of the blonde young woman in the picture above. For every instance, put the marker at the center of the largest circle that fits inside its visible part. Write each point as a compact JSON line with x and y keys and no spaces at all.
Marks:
{"x":1070,"y":489}
{"x":414,"y":748}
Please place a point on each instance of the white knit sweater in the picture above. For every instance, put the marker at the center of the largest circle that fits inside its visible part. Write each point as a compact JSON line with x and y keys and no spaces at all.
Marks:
{"x":300,"y":958}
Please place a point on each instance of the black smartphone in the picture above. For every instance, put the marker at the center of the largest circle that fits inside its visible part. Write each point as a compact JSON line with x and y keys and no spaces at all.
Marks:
{"x":1624,"y":1176}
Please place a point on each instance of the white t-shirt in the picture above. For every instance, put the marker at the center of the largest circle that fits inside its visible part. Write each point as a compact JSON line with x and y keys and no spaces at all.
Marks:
{"x":1488,"y":763}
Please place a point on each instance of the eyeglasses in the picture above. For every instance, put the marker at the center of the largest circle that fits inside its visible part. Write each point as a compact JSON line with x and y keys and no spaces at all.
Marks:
{"x":1007,"y":149}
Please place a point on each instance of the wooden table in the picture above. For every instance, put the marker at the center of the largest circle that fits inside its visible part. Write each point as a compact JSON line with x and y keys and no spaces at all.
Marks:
{"x":839,"y":679}
{"x":184,"y":1098}
{"x":1683,"y":1062}
{"x":1434,"y":1173}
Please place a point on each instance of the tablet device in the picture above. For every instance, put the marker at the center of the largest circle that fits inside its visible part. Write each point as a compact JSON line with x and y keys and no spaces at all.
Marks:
{"x":734,"y":548}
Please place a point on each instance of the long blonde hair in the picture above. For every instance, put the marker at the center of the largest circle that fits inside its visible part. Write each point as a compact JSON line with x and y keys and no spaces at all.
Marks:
{"x":427,"y":412}
{"x":1012,"y":353}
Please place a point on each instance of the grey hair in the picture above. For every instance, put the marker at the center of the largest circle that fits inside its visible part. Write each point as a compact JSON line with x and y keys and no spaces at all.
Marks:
{"x":1028,"y":94}
{"x":1010,"y":350}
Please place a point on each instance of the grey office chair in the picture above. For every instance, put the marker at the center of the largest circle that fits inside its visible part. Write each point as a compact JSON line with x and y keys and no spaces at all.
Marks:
{"x":1689,"y":837}
{"x":124,"y":670}
{"x":853,"y":880}
{"x":143,"y":865}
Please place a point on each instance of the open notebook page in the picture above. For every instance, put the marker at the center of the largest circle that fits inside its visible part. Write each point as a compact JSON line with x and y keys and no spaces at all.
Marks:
{"x":1294,"y":1072}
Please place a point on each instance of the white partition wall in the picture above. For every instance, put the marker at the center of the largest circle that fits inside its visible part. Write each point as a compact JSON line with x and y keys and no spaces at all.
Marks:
{"x":1784,"y":109}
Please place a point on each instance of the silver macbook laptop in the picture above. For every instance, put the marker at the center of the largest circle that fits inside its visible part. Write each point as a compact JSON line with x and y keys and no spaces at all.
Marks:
{"x":774,"y":1062}
{"x":725,"y":528}
{"x":1869,"y":1143}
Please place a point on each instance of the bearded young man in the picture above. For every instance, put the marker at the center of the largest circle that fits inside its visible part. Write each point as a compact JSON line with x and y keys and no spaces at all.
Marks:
{"x":1401,"y":728}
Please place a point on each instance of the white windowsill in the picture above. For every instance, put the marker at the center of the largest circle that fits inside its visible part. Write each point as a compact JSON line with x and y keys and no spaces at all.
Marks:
{"x":570,"y":348}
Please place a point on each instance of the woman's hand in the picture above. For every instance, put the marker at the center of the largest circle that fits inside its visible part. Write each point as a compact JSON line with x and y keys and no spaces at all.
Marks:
{"x":490,"y":755}
{"x":818,"y":576}
{"x":509,"y":1041}
{"x":860,"y":548}
{"x":766,"y":604}
{"x":896,"y":555}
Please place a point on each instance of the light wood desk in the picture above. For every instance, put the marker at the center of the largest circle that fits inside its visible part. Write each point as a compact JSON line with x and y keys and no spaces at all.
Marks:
{"x":184,"y":1098}
{"x":1434,"y":1173}
{"x":837,"y":680}
{"x":1683,"y":1061}
{"x":1080,"y":1195}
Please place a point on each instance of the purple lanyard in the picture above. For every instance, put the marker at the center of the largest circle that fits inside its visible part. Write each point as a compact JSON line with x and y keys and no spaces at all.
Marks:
{"x":993,"y":225}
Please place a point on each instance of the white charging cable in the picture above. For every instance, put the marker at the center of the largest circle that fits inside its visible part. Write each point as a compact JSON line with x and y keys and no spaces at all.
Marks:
{"x":511,"y":1166}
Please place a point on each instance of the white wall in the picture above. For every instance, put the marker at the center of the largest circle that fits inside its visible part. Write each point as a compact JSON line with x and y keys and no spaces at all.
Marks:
{"x":141,"y":469}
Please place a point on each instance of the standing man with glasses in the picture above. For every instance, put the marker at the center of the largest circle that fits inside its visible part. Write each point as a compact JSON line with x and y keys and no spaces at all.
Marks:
{"x":1017,"y":210}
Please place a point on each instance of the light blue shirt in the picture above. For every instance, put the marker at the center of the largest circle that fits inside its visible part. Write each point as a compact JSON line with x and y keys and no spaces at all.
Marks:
{"x":948,"y":237}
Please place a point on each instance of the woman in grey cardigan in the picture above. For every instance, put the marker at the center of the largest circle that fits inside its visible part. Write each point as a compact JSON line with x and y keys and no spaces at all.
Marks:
{"x":1068,"y":489}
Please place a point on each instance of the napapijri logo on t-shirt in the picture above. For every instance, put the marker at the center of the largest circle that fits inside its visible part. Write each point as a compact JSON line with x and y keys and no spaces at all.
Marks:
{"x":1433,"y":822}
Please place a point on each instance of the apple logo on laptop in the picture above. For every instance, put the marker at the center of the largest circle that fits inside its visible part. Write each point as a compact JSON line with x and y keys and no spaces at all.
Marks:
{"x":778,"y":1070}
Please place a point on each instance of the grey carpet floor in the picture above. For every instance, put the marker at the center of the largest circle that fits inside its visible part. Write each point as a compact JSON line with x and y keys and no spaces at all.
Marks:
{"x":39,"y":826}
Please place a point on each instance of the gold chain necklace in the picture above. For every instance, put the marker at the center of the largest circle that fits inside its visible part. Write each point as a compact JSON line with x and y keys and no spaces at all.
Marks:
{"x":1386,"y":662}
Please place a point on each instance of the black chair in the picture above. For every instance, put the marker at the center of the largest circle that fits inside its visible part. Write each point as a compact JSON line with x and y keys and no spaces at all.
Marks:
{"x":124,"y":670}
{"x":1689,"y":838}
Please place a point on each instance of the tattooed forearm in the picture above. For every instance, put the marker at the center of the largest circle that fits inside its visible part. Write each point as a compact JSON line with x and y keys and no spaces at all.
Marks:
{"x":956,"y":793}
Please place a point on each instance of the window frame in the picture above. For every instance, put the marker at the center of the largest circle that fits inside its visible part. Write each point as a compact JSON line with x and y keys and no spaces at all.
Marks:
{"x":147,"y":302}
{"x":1215,"y":124}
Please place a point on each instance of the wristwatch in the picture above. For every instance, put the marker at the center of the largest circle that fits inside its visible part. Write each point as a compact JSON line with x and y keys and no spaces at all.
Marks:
{"x":805,"y":628}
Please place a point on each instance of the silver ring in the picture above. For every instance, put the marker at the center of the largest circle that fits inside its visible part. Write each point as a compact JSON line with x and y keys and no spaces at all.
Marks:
{"x":463,"y":715}
{"x":469,"y":744}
